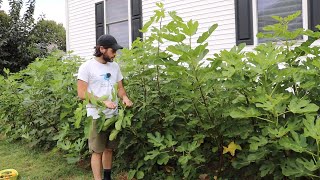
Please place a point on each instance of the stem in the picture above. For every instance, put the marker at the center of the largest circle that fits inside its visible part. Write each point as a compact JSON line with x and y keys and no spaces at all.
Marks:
{"x":312,"y":154}
{"x":275,"y":87}
{"x":158,"y":81}
{"x":283,"y":113}
{"x":145,"y":96}
{"x":221,"y":163}
{"x":158,"y":51}
{"x":313,"y":175}
{"x":318,"y":145}
{"x":197,"y":111}
{"x":264,"y":119}
{"x":204,"y":99}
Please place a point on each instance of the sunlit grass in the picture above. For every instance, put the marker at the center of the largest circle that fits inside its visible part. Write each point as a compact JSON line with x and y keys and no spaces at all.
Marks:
{"x":33,"y":164}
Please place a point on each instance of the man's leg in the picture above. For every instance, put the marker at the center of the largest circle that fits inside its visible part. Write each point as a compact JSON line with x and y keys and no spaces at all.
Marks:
{"x":107,"y":163}
{"x":96,"y":165}
{"x":107,"y":158}
{"x":97,"y":144}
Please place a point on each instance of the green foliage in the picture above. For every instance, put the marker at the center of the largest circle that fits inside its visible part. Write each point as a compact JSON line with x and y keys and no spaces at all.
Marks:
{"x":39,"y":106}
{"x":22,"y":40}
{"x":188,"y":114}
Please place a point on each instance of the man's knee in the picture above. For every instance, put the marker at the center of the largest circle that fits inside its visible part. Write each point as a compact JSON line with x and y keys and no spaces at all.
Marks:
{"x":108,"y":150}
{"x":96,"y":153}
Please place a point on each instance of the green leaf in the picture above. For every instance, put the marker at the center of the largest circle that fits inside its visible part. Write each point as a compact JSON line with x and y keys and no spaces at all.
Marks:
{"x":297,"y":143}
{"x":206,"y":34}
{"x":131,"y":174}
{"x":184,"y":159}
{"x":191,"y":29}
{"x":243,"y":112}
{"x":278,"y":18}
{"x":174,"y":38}
{"x":155,"y":140}
{"x":183,"y":147}
{"x":175,"y":17}
{"x":163,"y":159}
{"x":310,"y":165}
{"x":175,"y":50}
{"x":292,"y":16}
{"x":283,"y":130}
{"x":78,"y":115}
{"x":302,"y":106}
{"x":159,"y":4}
{"x":312,"y":127}
{"x":257,"y":156}
{"x":151,"y":155}
{"x":65,"y":144}
{"x":266,"y":168}
{"x":88,"y":126}
{"x":140,"y":175}
{"x":291,"y":168}
{"x":120,"y":119}
{"x":255,"y":142}
{"x":214,"y":149}
{"x":118,"y":124}
{"x":146,"y":26}
{"x":113,"y":134}
{"x":109,"y":122}
{"x":169,"y":141}
{"x":199,"y":159}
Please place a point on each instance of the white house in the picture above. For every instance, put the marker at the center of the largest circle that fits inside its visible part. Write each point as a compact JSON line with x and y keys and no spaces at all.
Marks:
{"x":238,"y":20}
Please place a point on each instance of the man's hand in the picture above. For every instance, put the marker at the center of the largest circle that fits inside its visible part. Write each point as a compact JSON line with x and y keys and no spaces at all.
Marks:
{"x":126,"y":101}
{"x":110,"y":104}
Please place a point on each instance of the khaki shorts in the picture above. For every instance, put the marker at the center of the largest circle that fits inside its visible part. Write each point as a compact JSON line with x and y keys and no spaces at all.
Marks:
{"x":98,"y":142}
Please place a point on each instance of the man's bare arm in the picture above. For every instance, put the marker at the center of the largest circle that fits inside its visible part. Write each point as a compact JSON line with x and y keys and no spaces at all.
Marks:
{"x":82,"y":88}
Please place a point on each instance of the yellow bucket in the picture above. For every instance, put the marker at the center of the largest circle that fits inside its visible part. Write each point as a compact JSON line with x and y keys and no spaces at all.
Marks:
{"x":9,"y":174}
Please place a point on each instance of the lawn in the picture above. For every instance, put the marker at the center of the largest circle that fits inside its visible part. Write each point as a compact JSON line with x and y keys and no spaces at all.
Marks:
{"x":33,"y":164}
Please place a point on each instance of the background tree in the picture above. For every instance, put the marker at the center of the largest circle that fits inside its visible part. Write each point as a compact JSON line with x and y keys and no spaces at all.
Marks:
{"x":22,"y":39}
{"x":49,"y":35}
{"x":15,"y":44}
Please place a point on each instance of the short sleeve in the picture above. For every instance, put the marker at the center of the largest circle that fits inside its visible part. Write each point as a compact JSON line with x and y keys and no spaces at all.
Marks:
{"x":83,"y":73}
{"x":119,"y":75}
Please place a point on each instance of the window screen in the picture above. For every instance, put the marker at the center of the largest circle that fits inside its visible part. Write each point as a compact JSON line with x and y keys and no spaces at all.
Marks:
{"x":117,"y":20}
{"x":282,"y":8}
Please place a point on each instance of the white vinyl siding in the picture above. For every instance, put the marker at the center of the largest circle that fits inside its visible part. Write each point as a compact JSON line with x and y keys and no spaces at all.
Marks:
{"x":206,"y":12}
{"x":81,"y":21}
{"x":81,"y":27}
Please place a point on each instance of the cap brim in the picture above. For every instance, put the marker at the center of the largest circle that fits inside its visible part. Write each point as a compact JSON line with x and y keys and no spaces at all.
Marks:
{"x":116,"y":47}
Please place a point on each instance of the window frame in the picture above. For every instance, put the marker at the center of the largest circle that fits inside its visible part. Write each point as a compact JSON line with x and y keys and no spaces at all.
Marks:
{"x":304,"y":14}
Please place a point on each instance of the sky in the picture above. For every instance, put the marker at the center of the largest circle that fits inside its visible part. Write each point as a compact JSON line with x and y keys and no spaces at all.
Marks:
{"x":52,"y":9}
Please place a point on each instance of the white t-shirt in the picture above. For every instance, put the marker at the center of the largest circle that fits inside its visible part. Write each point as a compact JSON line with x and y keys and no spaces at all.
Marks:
{"x":99,"y":84}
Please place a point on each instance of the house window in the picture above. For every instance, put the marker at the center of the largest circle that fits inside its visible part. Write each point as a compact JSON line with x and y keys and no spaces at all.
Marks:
{"x":282,"y":8}
{"x":252,"y":15}
{"x":117,"y":23}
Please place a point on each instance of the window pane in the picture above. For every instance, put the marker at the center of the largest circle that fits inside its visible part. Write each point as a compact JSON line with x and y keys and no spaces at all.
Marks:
{"x":116,"y":10}
{"x":121,"y":32}
{"x":282,"y":8}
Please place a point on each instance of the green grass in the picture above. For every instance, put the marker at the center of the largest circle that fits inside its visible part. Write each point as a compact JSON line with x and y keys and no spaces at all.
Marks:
{"x":33,"y":164}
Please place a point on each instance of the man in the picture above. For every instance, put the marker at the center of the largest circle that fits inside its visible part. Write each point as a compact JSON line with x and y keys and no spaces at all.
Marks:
{"x":96,"y":78}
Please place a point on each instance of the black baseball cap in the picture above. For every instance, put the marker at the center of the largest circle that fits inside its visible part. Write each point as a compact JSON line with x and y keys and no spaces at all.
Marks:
{"x":107,"y":40}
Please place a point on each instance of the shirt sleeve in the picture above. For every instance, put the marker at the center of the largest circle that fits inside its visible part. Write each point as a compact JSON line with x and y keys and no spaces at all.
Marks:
{"x":83,"y":73}
{"x":119,"y":75}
